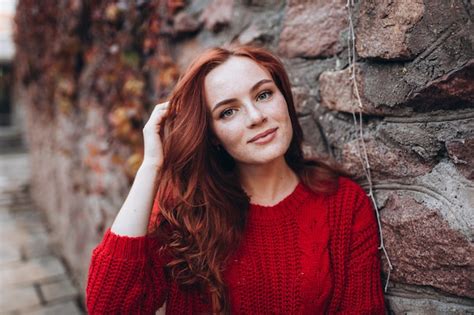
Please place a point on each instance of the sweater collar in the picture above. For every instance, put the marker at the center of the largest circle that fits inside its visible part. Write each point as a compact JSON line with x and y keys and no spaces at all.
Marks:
{"x":285,"y":208}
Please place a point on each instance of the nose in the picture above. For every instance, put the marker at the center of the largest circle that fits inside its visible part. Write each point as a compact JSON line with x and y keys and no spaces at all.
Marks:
{"x":255,"y":115}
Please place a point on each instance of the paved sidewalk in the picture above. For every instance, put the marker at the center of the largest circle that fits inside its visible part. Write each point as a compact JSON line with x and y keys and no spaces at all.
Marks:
{"x":33,"y":280}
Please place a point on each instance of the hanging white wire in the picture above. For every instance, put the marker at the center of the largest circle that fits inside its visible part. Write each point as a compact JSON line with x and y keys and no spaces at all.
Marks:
{"x":361,"y":147}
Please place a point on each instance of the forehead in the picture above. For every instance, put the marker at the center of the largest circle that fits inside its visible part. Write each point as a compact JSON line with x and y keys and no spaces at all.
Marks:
{"x":236,"y":75}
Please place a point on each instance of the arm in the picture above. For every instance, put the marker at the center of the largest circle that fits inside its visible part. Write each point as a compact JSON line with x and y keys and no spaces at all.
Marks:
{"x":126,"y":273}
{"x":126,"y":276}
{"x":134,"y":215}
{"x":363,"y":294}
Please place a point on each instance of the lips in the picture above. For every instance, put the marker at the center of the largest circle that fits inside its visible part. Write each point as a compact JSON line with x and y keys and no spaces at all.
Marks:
{"x":263,"y":134}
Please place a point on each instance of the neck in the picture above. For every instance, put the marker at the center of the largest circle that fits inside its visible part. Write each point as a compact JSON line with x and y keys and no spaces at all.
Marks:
{"x":269,"y":183}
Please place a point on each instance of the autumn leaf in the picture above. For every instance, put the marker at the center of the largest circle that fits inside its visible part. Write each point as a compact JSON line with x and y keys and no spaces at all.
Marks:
{"x":112,"y":12}
{"x":169,"y":75}
{"x":131,"y":59}
{"x":118,"y":116}
{"x":93,"y":164}
{"x":117,"y":159}
{"x":133,"y":87}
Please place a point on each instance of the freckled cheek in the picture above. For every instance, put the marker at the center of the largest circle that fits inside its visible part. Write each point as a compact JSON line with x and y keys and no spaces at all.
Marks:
{"x":231,"y":137}
{"x":278,"y":111}
{"x":281,"y":115}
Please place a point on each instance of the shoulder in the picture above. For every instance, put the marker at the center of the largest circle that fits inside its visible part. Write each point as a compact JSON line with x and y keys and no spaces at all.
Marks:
{"x":348,"y":192}
{"x":350,"y":205}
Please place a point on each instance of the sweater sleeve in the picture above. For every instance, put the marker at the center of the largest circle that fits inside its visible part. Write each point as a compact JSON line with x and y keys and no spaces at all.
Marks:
{"x":363,"y":294}
{"x":126,"y":276}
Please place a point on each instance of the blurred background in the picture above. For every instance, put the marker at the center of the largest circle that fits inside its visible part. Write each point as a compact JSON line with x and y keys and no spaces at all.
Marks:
{"x":7,"y":10}
{"x":78,"y":80}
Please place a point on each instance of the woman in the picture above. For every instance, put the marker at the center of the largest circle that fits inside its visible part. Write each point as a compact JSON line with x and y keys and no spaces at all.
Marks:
{"x":241,"y":222}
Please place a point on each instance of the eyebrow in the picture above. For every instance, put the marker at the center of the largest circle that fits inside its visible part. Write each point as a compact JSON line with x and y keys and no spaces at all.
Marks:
{"x":230,"y":100}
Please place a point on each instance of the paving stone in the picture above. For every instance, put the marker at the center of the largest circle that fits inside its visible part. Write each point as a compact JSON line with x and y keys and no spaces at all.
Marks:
{"x":18,"y":298}
{"x":20,"y":207}
{"x":36,"y":248}
{"x":31,"y":271}
{"x":14,"y":234}
{"x":5,"y":222}
{"x":30,"y":221}
{"x":58,"y":289}
{"x":9,"y":254}
{"x":66,"y":308}
{"x":5,"y":200}
{"x":32,"y":280}
{"x":5,"y":215}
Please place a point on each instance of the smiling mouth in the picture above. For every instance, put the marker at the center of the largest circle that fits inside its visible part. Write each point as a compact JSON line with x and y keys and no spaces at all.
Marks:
{"x":263,"y":134}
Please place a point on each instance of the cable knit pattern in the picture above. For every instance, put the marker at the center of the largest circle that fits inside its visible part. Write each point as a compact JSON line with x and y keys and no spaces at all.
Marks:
{"x":354,"y":252}
{"x":309,"y":254}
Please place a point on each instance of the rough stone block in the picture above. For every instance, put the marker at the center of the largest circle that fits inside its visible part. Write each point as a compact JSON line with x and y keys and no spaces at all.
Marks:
{"x":454,"y":89}
{"x":312,"y":29}
{"x":401,"y":30}
{"x":415,"y":87}
{"x":461,"y":151}
{"x":385,"y":161}
{"x":428,"y":135}
{"x":184,"y":23}
{"x":217,"y":14}
{"x":424,"y":249}
{"x":257,"y":33}
{"x":412,"y":137}
{"x":304,"y":102}
{"x":338,"y":92}
{"x":421,"y":305}
{"x":446,"y":190}
{"x":383,"y":27}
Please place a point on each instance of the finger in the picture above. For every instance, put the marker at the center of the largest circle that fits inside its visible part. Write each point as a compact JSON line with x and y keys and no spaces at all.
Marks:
{"x":158,"y":114}
{"x":162,"y":110}
{"x":162,"y":106}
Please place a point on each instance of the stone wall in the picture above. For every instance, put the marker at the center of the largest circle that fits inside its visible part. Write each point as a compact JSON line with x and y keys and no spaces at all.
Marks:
{"x":88,"y":74}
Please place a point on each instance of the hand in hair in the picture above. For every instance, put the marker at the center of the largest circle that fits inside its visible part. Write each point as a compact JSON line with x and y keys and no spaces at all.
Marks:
{"x":152,"y":134}
{"x":133,"y":217}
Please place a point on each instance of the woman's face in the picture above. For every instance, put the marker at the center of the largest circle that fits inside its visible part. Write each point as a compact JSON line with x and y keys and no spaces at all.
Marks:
{"x":245,"y":103}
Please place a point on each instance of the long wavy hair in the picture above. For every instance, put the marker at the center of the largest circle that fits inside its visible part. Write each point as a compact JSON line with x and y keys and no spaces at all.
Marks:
{"x":202,"y":206}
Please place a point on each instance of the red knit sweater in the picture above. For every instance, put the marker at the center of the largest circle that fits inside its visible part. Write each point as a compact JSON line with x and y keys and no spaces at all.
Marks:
{"x":309,"y":254}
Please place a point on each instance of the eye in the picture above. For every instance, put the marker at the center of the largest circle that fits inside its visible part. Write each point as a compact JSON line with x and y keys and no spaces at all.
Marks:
{"x":226,"y":113}
{"x":264,"y":95}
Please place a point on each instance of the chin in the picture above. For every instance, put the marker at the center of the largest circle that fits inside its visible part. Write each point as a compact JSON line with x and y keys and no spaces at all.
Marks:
{"x":260,"y":157}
